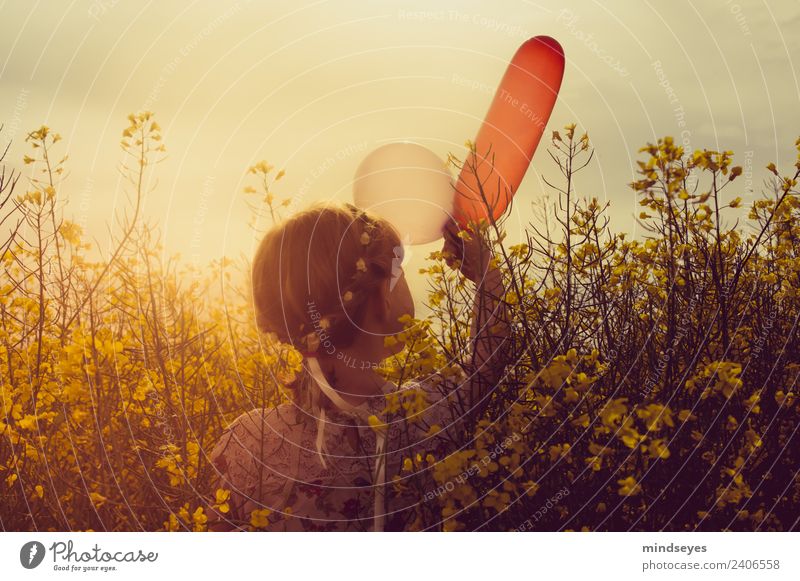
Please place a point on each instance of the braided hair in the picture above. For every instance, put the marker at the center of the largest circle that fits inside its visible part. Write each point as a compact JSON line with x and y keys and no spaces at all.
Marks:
{"x":314,"y":276}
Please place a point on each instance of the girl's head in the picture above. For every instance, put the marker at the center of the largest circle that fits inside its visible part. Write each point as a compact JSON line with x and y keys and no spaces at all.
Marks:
{"x":329,"y":278}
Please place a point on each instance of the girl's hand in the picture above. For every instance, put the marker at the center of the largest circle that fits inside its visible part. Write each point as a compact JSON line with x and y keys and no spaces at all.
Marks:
{"x":472,"y":250}
{"x":489,"y":328}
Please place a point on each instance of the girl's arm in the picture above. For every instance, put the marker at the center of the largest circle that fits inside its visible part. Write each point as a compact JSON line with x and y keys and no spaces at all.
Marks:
{"x":490,"y":321}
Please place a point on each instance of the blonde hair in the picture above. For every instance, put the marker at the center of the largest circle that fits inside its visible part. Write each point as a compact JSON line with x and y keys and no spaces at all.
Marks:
{"x":315,"y":274}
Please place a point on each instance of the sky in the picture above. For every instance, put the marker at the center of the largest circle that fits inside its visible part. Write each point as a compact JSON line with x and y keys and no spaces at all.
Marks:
{"x":313,"y":87}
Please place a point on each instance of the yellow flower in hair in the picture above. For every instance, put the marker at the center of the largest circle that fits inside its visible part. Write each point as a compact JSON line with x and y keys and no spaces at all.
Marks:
{"x":361,"y":265}
{"x":364,"y":238}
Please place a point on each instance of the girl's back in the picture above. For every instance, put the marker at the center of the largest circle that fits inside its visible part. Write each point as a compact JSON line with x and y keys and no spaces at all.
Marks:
{"x":268,"y":460}
{"x":329,"y":282}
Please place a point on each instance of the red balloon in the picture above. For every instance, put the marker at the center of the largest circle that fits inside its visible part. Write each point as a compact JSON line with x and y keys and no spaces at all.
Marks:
{"x":511,"y":130}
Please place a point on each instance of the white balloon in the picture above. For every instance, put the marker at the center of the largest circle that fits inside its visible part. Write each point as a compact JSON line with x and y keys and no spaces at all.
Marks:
{"x":408,"y":185}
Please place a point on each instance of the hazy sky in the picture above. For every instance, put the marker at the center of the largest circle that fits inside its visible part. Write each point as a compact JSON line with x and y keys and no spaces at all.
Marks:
{"x":312,"y":87}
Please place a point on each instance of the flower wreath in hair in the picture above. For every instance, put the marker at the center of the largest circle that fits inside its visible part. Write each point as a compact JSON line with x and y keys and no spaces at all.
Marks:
{"x":311,"y":340}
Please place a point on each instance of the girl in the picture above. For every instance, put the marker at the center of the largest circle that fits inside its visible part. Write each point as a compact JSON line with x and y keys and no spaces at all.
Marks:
{"x":329,"y":281}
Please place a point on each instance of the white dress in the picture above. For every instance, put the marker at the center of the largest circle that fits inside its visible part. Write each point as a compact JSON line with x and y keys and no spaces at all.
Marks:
{"x":275,"y":459}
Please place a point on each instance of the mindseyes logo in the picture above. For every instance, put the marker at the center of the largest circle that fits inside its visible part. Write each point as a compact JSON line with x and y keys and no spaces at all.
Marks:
{"x":31,"y":554}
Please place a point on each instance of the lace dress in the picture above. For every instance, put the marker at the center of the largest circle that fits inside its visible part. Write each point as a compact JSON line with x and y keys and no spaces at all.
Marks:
{"x":271,"y":459}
